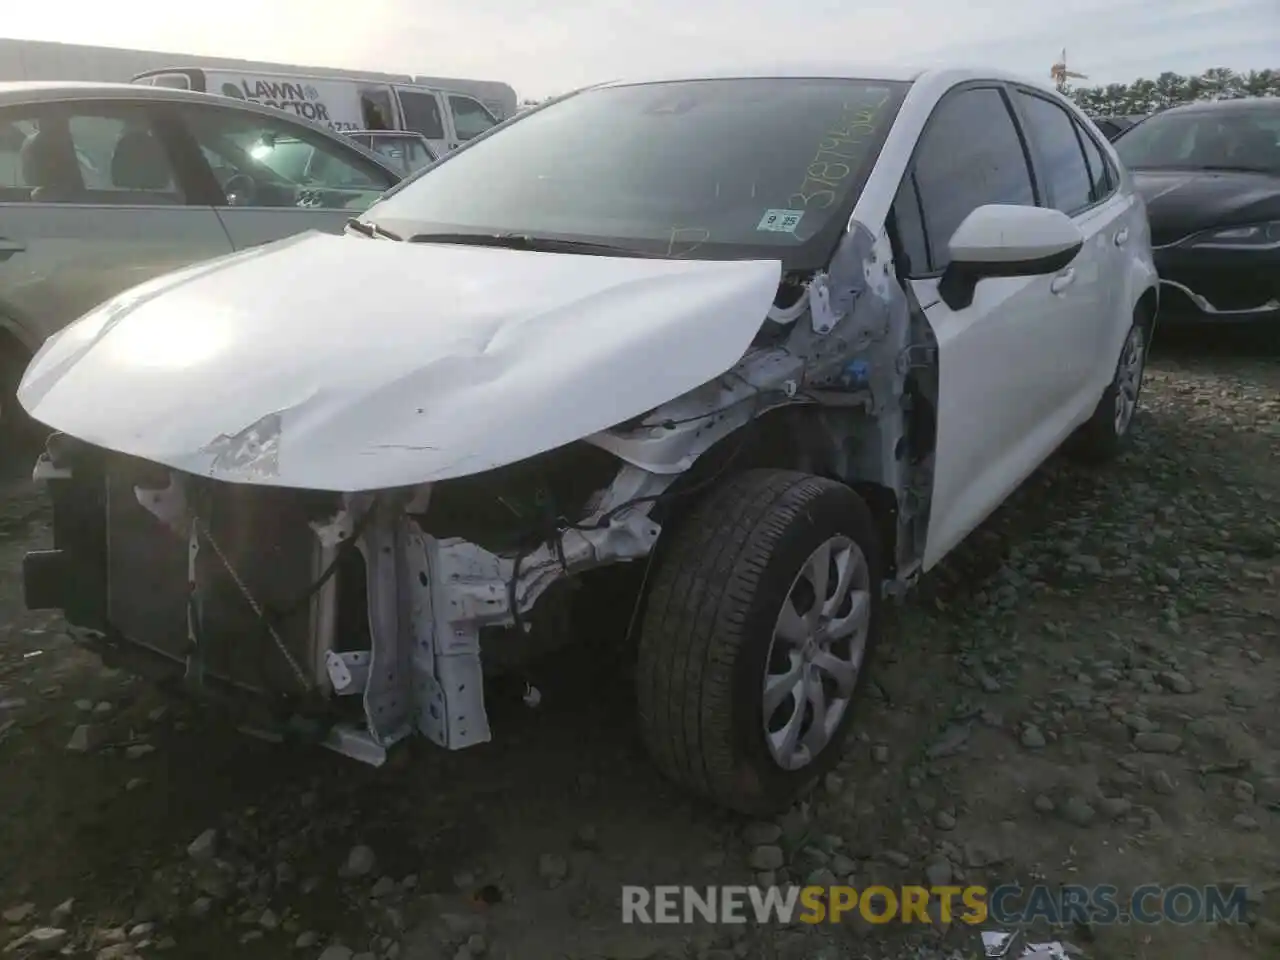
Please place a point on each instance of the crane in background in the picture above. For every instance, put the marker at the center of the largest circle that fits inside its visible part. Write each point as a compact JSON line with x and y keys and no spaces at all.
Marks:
{"x":1059,"y":73}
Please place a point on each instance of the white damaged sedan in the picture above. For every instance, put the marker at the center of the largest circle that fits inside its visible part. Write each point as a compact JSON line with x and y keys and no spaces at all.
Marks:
{"x":772,"y":342}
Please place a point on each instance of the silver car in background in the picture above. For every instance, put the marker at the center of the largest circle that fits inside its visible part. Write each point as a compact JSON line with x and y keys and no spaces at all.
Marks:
{"x":407,"y":151}
{"x":103,"y":186}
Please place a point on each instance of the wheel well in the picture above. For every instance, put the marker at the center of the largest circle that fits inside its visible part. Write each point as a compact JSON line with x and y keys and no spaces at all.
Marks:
{"x":1147,"y":306}
{"x":788,"y":438}
{"x":883,"y":504}
{"x":13,"y":353}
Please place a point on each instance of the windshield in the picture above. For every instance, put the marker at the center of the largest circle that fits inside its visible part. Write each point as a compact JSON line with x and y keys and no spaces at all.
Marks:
{"x":1231,"y":138}
{"x":729,"y":168}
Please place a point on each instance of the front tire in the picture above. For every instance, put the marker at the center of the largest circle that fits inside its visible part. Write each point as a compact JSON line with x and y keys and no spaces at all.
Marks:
{"x":19,"y":435}
{"x":746,"y":683}
{"x":1103,"y":436}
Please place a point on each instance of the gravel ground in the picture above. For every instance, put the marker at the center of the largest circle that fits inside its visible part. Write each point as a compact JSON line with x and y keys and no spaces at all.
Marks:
{"x":1085,"y":692}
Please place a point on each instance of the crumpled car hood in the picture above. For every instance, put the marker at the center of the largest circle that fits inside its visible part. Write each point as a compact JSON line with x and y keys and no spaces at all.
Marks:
{"x":343,"y":363}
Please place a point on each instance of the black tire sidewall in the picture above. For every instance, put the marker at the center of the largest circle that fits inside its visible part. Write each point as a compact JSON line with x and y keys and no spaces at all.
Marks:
{"x":1097,"y":439}
{"x":19,"y":434}
{"x":1142,"y":375}
{"x":838,"y":510}
{"x":1106,"y":412}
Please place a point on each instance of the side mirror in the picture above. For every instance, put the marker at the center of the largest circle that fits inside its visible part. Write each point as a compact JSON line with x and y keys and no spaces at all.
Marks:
{"x":1005,"y":240}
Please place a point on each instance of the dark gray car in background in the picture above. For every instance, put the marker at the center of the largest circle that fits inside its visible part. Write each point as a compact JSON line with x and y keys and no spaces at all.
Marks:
{"x":1210,"y":175}
{"x":104,"y":186}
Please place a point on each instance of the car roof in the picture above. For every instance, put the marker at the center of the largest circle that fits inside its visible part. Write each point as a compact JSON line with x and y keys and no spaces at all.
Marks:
{"x":29,"y":90}
{"x":50,"y":91}
{"x":1234,"y":105}
{"x":54,"y":91}
{"x":838,"y":70}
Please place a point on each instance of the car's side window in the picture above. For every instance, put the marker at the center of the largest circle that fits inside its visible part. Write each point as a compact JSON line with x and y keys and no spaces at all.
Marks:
{"x":15,"y":129}
{"x":422,"y":113}
{"x":1100,"y":182}
{"x":407,"y":153}
{"x":969,"y":155}
{"x":262,"y":161}
{"x":90,"y":153}
{"x":375,"y":108}
{"x":1053,"y":136}
{"x":470,"y":118}
{"x":913,"y":249}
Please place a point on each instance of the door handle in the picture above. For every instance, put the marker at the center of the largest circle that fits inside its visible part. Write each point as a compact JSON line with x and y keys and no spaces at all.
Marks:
{"x":1122,"y":237}
{"x":9,"y":247}
{"x":1062,"y":280}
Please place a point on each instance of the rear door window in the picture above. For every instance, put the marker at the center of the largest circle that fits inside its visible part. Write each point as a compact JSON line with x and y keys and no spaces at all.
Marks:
{"x":1054,"y":139}
{"x":1100,"y":182}
{"x":88,"y":153}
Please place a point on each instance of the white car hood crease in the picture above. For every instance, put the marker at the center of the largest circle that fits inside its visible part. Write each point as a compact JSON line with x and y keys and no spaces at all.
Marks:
{"x":343,"y":363}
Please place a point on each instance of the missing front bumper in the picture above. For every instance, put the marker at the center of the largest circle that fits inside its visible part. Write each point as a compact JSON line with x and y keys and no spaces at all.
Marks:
{"x":190,"y":573}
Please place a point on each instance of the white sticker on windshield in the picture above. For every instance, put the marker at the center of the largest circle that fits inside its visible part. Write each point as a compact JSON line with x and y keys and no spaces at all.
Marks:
{"x":780,"y":221}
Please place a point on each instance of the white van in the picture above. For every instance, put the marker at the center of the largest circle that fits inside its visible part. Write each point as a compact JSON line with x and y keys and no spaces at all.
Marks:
{"x":445,"y":117}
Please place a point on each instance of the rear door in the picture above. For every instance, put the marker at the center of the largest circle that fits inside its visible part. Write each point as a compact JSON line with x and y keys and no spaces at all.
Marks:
{"x":423,"y":112}
{"x":1127,"y":228}
{"x":1092,"y":287}
{"x":997,"y":380}
{"x":92,"y":201}
{"x":272,"y":178}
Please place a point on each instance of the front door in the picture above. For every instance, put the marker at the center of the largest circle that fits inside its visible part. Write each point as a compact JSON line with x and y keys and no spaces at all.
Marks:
{"x":91,"y":203}
{"x":997,"y":379}
{"x":274,"y":178}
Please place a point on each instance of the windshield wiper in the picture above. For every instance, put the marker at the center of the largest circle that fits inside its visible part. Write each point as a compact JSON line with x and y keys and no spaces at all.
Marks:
{"x":526,"y":241}
{"x":366,"y":229}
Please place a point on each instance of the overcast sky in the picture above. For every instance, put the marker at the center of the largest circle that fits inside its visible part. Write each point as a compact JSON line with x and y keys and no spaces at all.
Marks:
{"x":546,"y":47}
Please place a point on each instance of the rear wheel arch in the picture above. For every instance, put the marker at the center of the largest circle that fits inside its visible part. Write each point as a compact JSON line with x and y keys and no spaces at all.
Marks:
{"x":1147,"y":308}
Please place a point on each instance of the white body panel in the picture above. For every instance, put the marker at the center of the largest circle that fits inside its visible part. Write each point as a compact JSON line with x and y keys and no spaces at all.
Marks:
{"x":397,"y":364}
{"x":1025,"y":365}
{"x":334,"y":104}
{"x":354,"y":364}
{"x":389,"y":363}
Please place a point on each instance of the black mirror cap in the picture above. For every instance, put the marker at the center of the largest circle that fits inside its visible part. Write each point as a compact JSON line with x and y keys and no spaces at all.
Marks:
{"x":960,"y":279}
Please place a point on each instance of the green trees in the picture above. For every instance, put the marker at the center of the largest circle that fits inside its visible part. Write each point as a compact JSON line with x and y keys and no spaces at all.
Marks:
{"x":1171,"y":89}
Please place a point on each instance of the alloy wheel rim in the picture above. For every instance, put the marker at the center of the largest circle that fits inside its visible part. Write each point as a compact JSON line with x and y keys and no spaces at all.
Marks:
{"x":1129,"y":379}
{"x":815,"y":656}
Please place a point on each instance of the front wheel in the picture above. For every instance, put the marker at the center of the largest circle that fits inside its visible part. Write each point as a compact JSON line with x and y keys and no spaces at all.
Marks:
{"x":1103,"y":435}
{"x":19,"y":434}
{"x":763,"y":611}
